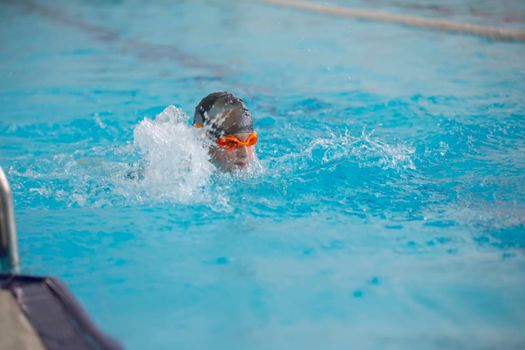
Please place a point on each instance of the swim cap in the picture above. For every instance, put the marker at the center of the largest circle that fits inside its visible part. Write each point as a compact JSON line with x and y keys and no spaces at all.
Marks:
{"x":222,"y":113}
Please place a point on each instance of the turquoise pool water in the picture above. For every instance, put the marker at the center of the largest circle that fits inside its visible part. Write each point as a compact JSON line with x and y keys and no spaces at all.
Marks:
{"x":389,"y":212}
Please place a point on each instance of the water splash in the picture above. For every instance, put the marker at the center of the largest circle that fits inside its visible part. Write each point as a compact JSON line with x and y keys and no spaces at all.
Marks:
{"x":175,"y":164}
{"x":167,"y":162}
{"x":368,"y":151}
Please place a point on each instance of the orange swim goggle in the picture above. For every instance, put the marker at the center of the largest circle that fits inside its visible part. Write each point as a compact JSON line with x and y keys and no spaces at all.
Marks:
{"x":230,"y":142}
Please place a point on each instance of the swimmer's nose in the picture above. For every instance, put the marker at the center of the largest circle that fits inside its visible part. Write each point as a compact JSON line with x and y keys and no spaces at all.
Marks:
{"x":242,"y":152}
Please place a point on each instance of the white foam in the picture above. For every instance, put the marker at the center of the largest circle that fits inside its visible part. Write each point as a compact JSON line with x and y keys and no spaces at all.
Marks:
{"x":176,"y":165}
{"x":368,"y":150}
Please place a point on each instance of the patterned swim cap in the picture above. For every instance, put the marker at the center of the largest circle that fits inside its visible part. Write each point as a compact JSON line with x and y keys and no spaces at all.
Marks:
{"x":222,"y":113}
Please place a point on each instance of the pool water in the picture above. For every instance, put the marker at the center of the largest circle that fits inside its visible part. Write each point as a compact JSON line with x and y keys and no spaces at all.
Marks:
{"x":387,"y":210}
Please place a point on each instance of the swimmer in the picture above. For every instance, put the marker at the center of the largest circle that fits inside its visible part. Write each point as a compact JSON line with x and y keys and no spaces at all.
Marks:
{"x":228,"y":122}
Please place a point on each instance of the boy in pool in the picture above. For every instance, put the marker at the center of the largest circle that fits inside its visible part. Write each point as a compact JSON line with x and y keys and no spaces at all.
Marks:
{"x":228,"y":122}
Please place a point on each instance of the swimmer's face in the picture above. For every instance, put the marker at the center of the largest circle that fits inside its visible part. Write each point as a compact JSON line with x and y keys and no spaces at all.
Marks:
{"x":235,"y":158}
